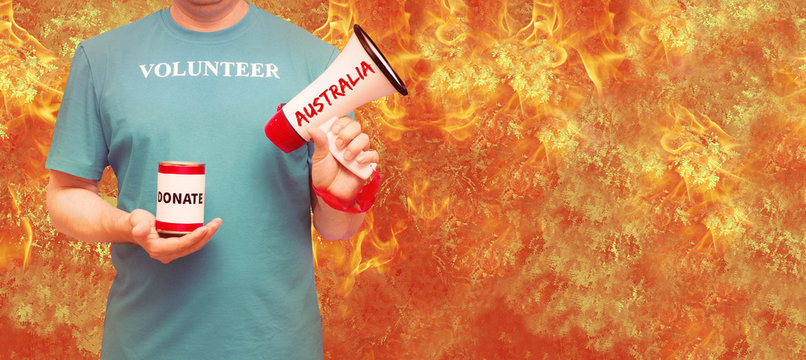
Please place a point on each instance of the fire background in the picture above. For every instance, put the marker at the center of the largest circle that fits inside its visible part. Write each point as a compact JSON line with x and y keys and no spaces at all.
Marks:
{"x":567,"y":179}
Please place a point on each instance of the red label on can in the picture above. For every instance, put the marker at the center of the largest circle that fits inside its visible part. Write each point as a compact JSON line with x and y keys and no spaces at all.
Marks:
{"x":184,"y":169}
{"x":166,"y":226}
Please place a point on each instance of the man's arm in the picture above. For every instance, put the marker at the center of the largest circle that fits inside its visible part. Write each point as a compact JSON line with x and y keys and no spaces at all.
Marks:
{"x":77,"y":210}
{"x":333,"y":224}
{"x":329,"y":175}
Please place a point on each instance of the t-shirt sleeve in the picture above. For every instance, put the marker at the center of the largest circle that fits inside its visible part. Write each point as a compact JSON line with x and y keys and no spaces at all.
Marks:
{"x":79,"y":147}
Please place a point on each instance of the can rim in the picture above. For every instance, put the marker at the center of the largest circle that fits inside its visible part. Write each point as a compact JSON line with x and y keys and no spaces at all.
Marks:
{"x":172,"y":232}
{"x":181,"y":163}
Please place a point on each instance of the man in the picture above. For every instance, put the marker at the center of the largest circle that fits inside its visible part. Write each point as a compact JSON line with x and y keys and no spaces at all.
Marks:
{"x":197,"y":82}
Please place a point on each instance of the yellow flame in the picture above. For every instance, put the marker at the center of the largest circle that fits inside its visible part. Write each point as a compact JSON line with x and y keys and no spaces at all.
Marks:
{"x":350,"y":255}
{"x":29,"y":91}
{"x":30,"y":100}
{"x":340,"y":20}
{"x":16,"y":35}
{"x":26,"y":225}
{"x":700,"y":152}
{"x":421,"y":197}
{"x":699,"y":148}
{"x":356,"y":263}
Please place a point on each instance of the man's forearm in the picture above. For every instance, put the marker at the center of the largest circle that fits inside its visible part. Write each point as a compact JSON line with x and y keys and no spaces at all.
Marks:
{"x":333,"y":224}
{"x":82,"y":214}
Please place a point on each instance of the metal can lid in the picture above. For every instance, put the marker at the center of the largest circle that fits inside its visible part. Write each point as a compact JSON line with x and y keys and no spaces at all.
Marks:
{"x":181,"y":167}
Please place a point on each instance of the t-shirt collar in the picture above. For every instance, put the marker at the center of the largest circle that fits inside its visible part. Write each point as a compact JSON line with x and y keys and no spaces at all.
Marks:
{"x":207,"y":37}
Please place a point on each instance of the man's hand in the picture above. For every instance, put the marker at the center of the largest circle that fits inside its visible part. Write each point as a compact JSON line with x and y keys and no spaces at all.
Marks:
{"x":330,"y":175}
{"x":144,"y":233}
{"x":76,"y":210}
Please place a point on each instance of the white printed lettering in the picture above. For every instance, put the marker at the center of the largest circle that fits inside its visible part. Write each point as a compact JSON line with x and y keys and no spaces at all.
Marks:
{"x":190,"y":68}
{"x":211,"y":67}
{"x":257,"y":70}
{"x":176,"y":70}
{"x":165,"y":67}
{"x":271,"y":70}
{"x":146,"y":71}
{"x":227,"y":68}
{"x":198,"y":68}
{"x":242,"y":68}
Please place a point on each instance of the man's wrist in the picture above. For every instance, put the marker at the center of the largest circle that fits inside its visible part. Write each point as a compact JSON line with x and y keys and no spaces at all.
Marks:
{"x":121,"y":227}
{"x":362,"y":203}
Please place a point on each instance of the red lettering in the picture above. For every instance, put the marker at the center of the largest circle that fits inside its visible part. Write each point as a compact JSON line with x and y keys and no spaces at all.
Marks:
{"x":344,"y":84}
{"x":340,"y":89}
{"x":301,"y":118}
{"x":319,"y":106}
{"x":324,"y":93}
{"x":310,"y":111}
{"x":350,"y":78}
{"x":365,"y":67}
{"x":334,"y":89}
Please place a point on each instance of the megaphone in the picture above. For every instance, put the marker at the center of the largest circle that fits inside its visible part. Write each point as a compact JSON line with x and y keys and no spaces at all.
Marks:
{"x":359,"y":75}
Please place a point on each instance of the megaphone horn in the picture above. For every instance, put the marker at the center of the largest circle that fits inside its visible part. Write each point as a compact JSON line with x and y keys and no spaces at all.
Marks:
{"x":359,"y":75}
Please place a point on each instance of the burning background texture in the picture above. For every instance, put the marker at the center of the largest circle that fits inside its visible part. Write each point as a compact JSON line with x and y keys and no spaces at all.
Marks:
{"x":566,"y":179}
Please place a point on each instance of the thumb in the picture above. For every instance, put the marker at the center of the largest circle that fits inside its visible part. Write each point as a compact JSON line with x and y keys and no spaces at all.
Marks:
{"x":141,"y":221}
{"x":321,"y":145}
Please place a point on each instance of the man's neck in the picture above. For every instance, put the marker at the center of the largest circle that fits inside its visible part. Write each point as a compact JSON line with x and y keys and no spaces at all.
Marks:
{"x":214,"y":16}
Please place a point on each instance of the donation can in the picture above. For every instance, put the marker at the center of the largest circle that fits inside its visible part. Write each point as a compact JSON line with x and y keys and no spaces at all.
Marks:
{"x":180,"y":197}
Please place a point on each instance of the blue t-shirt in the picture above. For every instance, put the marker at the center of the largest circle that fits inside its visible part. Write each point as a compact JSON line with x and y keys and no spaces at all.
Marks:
{"x":154,"y":91}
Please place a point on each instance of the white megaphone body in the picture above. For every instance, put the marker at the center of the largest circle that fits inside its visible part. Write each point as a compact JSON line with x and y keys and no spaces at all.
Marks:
{"x":359,"y":75}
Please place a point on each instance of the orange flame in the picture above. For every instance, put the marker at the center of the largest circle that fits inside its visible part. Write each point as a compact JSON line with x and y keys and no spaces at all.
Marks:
{"x":30,"y":101}
{"x":700,"y":148}
{"x":577,"y":179}
{"x":699,"y":152}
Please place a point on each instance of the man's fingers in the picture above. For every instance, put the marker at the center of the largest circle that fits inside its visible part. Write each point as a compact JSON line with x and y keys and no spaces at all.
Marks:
{"x":340,"y":123}
{"x":355,"y":147}
{"x":169,"y":249}
{"x":347,"y":133}
{"x":212,"y":228}
{"x":367,"y":157}
{"x":165,"y":249}
{"x":349,"y":137}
